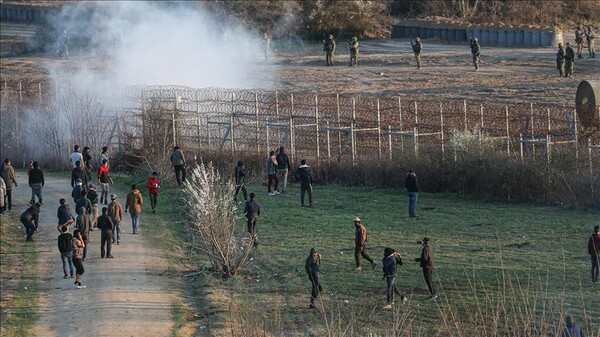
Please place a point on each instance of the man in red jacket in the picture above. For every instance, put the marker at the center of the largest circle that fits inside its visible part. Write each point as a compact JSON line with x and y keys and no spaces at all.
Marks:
{"x":594,"y":251}
{"x":104,"y":179}
{"x":153,"y":184}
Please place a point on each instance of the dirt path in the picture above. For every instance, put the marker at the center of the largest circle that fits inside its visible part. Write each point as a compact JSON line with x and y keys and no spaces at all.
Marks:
{"x":125,"y":296}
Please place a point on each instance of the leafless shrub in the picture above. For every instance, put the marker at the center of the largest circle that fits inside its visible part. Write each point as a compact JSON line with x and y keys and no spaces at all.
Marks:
{"x":214,"y":232}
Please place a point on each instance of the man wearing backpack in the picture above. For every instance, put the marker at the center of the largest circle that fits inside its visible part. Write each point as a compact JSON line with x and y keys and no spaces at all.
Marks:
{"x":65,"y":247}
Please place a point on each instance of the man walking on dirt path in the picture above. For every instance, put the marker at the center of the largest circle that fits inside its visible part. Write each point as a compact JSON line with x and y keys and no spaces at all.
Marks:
{"x":79,"y":248}
{"x":426,"y":262}
{"x":153,"y":185}
{"x":178,"y":162}
{"x":65,"y":247}
{"x":78,"y":173}
{"x":115,"y":211}
{"x":360,"y":242}
{"x":560,"y":60}
{"x":36,"y":182}
{"x":92,"y":196}
{"x":579,"y":41}
{"x":417,"y":46}
{"x":83,"y":224}
{"x":106,"y":227}
{"x":329,"y":49}
{"x":104,"y":179}
{"x":76,"y":156}
{"x":10,"y":179}
{"x":569,"y":60}
{"x":475,"y":51}
{"x":133,"y":205}
{"x":594,"y":251}
{"x":64,"y":214}
{"x":283,"y":168}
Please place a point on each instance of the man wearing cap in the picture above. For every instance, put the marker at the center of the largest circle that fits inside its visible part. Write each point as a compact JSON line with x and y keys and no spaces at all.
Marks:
{"x":426,"y":262}
{"x":115,"y":211}
{"x":360,"y":241}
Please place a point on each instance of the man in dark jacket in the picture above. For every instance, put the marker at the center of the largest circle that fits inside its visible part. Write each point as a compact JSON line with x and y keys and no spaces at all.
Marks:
{"x":391,"y":259}
{"x":30,"y":219}
{"x":78,"y":173}
{"x":64,"y":214}
{"x":594,"y":251}
{"x":360,"y":243}
{"x":252,"y":211}
{"x":304,"y":174}
{"x":106,"y":226}
{"x":65,"y":247}
{"x":83,"y":224}
{"x":426,"y":262}
{"x":312,"y":267}
{"x":283,"y":167}
{"x":475,"y":51}
{"x":36,"y":182}
{"x":413,"y":192}
{"x":84,"y":203}
{"x":178,"y":162}
{"x":240,"y":180}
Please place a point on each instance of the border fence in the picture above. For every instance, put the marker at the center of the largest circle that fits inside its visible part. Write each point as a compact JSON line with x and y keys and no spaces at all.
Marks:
{"x":322,"y":127}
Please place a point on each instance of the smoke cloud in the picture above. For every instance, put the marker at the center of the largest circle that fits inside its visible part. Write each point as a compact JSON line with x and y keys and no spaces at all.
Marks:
{"x":163,"y":43}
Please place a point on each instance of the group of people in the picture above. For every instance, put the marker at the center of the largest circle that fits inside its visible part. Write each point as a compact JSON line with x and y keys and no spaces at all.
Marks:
{"x":390,"y":262}
{"x":564,"y":57}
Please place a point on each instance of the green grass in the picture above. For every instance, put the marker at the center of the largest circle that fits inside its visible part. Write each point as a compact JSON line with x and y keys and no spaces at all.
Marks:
{"x":487,"y":254}
{"x":20,"y":294}
{"x":493,"y":261}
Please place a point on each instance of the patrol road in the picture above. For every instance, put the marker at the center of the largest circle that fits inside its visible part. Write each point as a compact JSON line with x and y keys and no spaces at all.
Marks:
{"x":125,"y":296}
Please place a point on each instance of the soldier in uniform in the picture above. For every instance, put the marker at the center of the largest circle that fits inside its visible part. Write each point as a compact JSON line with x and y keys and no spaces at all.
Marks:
{"x":475,"y":51}
{"x":579,"y":42}
{"x":416,"y":47}
{"x":329,"y":49}
{"x":266,"y":44}
{"x":63,"y":45}
{"x":560,"y":60}
{"x":354,"y":47}
{"x":569,"y":60}
{"x":589,"y":35}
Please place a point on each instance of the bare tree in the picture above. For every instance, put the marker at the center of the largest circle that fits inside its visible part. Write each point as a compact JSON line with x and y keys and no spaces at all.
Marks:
{"x":215,"y":232}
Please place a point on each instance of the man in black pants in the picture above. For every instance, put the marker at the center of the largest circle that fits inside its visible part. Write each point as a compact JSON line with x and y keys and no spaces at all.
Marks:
{"x":178,"y":161}
{"x":29,"y":219}
{"x":252,"y":211}
{"x":106,"y":225}
{"x":594,"y":251}
{"x":426,"y":262}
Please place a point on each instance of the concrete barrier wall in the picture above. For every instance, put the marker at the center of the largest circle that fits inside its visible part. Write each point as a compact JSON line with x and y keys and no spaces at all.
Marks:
{"x":527,"y":38}
{"x":23,"y":14}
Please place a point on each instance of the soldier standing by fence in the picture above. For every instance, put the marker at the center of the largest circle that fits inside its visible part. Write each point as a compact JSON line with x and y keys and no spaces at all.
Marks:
{"x":560,"y":60}
{"x":329,"y":49}
{"x":354,"y":47}
{"x":475,"y":51}
{"x":417,"y":46}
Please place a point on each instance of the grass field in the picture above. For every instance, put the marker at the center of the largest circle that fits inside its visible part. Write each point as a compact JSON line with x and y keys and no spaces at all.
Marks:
{"x":501,"y":269}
